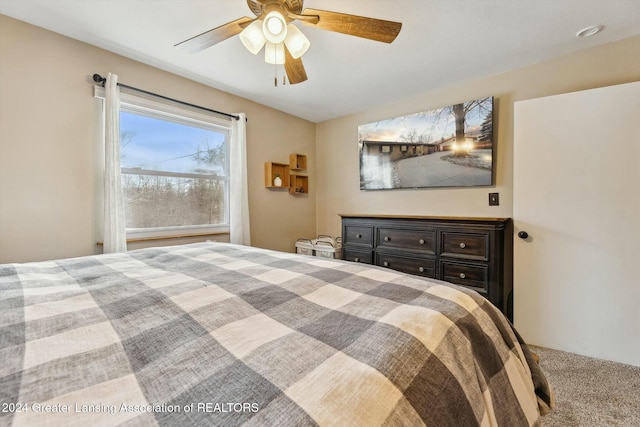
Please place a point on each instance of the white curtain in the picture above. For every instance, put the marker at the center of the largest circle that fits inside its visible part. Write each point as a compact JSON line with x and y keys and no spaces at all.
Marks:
{"x":239,"y":203}
{"x":115,"y":238}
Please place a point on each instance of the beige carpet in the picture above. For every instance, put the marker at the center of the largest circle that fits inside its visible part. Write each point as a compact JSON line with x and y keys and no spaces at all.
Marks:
{"x":590,"y":392}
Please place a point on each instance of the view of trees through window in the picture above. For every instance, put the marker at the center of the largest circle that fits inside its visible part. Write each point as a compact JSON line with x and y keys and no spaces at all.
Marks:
{"x":174,"y":172}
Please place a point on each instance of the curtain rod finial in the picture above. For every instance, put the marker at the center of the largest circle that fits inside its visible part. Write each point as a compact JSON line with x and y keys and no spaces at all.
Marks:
{"x":98,"y":78}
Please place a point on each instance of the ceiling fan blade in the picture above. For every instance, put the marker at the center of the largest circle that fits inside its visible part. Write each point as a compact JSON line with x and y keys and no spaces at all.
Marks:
{"x":294,"y":68}
{"x":360,"y":26}
{"x":218,"y":34}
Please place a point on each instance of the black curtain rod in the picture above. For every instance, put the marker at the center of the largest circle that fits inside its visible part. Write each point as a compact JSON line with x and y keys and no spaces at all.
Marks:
{"x":102,"y":80}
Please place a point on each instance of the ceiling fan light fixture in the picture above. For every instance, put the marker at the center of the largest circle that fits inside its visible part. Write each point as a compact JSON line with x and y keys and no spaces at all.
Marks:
{"x":274,"y":53}
{"x":285,"y":44}
{"x":274,"y":27}
{"x":296,"y":41}
{"x":252,"y":37}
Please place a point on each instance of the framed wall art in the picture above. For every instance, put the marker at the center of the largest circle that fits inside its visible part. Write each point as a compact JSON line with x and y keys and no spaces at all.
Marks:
{"x":452,"y":146}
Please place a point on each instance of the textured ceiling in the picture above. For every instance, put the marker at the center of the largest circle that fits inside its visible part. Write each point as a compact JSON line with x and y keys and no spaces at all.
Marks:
{"x":442,"y":42}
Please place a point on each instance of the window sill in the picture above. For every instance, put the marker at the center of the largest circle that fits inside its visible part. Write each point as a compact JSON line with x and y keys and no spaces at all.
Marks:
{"x":173,"y":237}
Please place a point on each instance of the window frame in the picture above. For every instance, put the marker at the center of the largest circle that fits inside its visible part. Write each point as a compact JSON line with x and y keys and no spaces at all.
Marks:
{"x":190,"y":117}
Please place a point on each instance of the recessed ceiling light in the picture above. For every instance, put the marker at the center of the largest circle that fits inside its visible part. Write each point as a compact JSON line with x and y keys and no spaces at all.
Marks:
{"x":589,"y":31}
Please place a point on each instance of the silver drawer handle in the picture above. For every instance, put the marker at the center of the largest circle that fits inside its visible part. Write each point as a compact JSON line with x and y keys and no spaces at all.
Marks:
{"x":462,"y":276}
{"x":462,"y":245}
{"x":421,"y":269}
{"x":358,"y":236}
{"x":421,"y":241}
{"x":386,"y":238}
{"x":386,"y":264}
{"x":356,"y":259}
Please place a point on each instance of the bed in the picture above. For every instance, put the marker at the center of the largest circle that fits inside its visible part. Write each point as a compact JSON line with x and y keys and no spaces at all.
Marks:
{"x":222,"y":334}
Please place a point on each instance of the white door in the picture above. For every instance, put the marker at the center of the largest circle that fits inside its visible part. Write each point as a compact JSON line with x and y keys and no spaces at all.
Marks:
{"x":577,"y":196}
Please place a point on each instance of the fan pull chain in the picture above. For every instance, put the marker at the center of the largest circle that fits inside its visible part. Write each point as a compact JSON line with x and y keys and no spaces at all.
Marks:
{"x":275,"y":77}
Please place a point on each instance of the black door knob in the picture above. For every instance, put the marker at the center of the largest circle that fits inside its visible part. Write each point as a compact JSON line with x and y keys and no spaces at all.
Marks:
{"x":523,"y":234}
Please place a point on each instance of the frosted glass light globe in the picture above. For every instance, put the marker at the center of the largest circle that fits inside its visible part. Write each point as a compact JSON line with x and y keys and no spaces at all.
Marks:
{"x":274,"y":27}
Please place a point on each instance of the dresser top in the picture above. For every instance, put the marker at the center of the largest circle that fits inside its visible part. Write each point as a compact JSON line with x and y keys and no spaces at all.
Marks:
{"x":434,"y":218}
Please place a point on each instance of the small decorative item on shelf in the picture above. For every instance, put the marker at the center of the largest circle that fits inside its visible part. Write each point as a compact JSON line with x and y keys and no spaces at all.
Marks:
{"x":277,"y":181}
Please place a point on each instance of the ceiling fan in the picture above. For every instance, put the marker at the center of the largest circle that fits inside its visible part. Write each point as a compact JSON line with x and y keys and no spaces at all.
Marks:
{"x":284,"y":42}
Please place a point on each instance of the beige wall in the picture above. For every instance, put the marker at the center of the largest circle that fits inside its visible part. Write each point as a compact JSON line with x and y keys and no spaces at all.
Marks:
{"x":49,"y":167}
{"x":337,"y":150}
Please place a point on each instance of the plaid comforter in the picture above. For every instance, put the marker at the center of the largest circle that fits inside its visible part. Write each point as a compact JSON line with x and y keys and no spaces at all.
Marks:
{"x":219,"y":334}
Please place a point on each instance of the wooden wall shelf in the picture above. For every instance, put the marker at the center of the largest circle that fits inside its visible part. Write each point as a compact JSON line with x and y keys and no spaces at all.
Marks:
{"x":299,"y":185}
{"x":293,"y":176}
{"x":297,"y":162}
{"x":271,"y":170}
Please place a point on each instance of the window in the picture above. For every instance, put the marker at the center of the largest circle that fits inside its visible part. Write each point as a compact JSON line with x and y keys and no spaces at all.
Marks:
{"x":175,"y":169}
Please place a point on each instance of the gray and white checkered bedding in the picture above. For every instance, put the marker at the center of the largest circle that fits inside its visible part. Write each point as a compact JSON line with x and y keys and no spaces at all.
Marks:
{"x":220,"y":334}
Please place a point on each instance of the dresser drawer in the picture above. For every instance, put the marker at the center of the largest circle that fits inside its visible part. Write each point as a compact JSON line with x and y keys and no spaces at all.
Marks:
{"x":465,"y":245}
{"x":358,"y":235}
{"x":420,"y":240}
{"x":474,"y":276}
{"x":355,"y":255}
{"x":413,"y":265}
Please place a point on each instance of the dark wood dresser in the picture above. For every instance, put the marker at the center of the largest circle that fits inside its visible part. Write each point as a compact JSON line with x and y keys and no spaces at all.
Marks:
{"x":472,"y":252}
